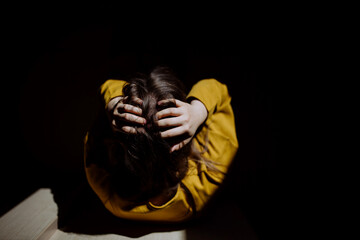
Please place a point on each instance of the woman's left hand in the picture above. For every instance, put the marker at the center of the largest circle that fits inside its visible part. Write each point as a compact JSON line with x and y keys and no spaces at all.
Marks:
{"x":181,"y":121}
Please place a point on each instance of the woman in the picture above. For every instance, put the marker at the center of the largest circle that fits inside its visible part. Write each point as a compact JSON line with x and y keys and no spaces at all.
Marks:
{"x":155,"y":153}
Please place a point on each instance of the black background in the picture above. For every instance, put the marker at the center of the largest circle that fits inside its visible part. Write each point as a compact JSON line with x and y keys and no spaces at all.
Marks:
{"x":56,"y":57}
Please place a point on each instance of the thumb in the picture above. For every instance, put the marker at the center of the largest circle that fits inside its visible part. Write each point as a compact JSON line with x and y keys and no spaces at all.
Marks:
{"x":180,"y":145}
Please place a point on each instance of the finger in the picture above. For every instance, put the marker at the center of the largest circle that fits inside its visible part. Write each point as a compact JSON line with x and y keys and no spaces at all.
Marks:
{"x":169,"y":112}
{"x":176,"y":147}
{"x":178,"y":103}
{"x":170,"y":122}
{"x":173,"y":132}
{"x":132,"y":118}
{"x":180,"y":145}
{"x":128,"y":129}
{"x":129,"y":108}
{"x":125,"y":129}
{"x":138,"y":100}
{"x":129,"y":117}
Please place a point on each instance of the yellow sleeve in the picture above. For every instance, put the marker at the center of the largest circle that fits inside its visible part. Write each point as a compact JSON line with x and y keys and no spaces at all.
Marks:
{"x":111,"y":88}
{"x":217,"y":136}
{"x":215,"y":96}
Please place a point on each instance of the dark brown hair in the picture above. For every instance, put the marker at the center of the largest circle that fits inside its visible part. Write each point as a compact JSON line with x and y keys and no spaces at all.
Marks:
{"x":144,"y":166}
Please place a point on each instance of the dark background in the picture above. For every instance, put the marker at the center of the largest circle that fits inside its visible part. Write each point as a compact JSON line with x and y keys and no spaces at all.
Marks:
{"x":57,"y":56}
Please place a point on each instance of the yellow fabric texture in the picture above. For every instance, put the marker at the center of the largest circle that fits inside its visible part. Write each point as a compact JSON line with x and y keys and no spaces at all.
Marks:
{"x":218,"y":135}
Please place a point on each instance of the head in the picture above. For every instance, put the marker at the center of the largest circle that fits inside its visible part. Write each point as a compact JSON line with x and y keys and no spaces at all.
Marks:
{"x":144,"y":166}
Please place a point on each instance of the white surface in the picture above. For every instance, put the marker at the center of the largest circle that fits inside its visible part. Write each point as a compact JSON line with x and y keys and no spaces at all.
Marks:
{"x":176,"y":235}
{"x":36,"y":218}
{"x":31,"y":218}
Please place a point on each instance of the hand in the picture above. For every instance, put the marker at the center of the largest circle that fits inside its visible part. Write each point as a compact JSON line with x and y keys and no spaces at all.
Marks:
{"x":124,"y":116}
{"x":181,"y":121}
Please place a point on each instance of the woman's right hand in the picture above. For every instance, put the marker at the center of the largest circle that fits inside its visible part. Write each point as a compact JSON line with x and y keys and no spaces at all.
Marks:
{"x":124,"y":116}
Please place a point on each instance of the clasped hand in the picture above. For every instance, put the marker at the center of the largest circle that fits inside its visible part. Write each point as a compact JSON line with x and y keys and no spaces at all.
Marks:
{"x":181,"y":121}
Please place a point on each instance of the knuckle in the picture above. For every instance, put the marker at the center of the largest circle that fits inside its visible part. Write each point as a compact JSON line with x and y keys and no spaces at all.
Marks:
{"x":163,"y":112}
{"x":187,"y":118}
{"x":186,"y":128}
{"x":130,"y":108}
{"x":135,"y":118}
{"x":127,"y":107}
{"x":160,"y":123}
{"x":164,"y":122}
{"x":124,"y":116}
{"x":119,"y":106}
{"x":128,"y":116}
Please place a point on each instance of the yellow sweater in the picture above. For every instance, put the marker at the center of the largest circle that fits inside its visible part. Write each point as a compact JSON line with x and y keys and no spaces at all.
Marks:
{"x":200,"y":183}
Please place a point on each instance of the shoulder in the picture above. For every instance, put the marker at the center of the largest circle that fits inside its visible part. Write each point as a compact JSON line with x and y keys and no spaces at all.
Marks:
{"x":210,"y":84}
{"x":113,"y":82}
{"x":210,"y":81}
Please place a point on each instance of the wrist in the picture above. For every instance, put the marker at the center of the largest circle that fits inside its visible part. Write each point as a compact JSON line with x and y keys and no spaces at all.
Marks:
{"x":200,"y":109}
